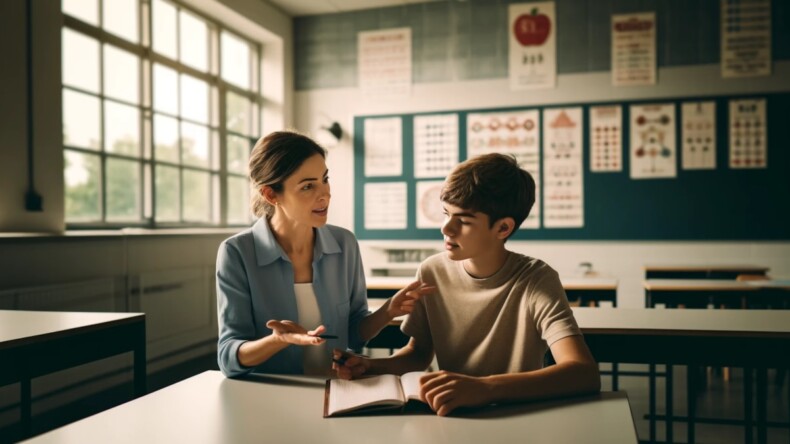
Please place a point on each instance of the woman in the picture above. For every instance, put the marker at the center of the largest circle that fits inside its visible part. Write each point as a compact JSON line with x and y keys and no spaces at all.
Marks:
{"x":292,"y":272}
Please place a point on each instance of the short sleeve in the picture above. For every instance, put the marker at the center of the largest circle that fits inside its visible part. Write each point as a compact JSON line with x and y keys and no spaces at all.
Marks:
{"x":552,"y":315}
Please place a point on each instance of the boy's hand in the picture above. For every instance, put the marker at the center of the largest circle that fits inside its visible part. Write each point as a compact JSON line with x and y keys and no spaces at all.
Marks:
{"x":445,"y":391}
{"x":403,"y":301}
{"x":348,"y":365}
{"x":290,"y":332}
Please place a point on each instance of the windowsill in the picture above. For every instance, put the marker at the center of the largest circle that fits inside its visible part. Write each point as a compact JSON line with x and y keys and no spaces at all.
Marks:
{"x":124,"y":232}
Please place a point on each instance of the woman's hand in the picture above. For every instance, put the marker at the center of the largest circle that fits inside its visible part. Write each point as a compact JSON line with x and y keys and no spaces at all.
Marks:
{"x":403,"y":301}
{"x":290,"y":332}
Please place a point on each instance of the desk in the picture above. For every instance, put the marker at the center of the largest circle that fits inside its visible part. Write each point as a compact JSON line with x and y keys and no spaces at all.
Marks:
{"x":588,"y":291}
{"x":209,"y":408}
{"x":710,"y":271}
{"x":35,"y":343}
{"x":752,"y":339}
{"x":699,"y":293}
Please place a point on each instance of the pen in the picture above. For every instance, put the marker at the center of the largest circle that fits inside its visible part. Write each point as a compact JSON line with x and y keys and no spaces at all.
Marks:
{"x":342,"y":360}
{"x":326,"y":336}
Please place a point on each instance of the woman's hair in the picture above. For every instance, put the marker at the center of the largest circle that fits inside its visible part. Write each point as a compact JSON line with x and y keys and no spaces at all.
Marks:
{"x":493,"y":184}
{"x":273,"y":159}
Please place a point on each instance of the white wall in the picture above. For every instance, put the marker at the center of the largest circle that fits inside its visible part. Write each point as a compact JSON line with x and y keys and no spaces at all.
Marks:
{"x":622,"y":260}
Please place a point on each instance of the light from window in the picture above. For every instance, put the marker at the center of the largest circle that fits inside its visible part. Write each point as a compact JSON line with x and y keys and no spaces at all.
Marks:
{"x":123,"y":190}
{"x":121,"y":74}
{"x":81,"y":120}
{"x":83,"y":185}
{"x":235,"y":60}
{"x":165,"y":28}
{"x":194,"y":41}
{"x":120,"y":18}
{"x":80,"y":61}
{"x":121,"y":129}
{"x":85,"y":10}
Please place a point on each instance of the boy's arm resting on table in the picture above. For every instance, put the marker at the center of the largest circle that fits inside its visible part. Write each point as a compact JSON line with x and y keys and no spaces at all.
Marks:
{"x":574,"y":373}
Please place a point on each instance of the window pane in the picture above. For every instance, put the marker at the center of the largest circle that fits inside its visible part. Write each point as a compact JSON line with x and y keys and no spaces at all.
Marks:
{"x":194,"y":144}
{"x":194,"y":41}
{"x":85,"y":10}
{"x":235,"y":60}
{"x":81,"y":126}
{"x":238,"y":200}
{"x":121,"y":74}
{"x":194,"y":99}
{"x":166,"y":139}
{"x":80,"y":61}
{"x":165,"y":29}
{"x":197,"y":200}
{"x":121,"y":129}
{"x":238,"y":113}
{"x":238,"y":154}
{"x":165,"y":89}
{"x":123,"y":190}
{"x":120,"y":18}
{"x":168,"y":194}
{"x":83,"y":179}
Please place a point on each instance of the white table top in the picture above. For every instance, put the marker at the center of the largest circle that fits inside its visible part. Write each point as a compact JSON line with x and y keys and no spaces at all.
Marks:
{"x":569,"y":283}
{"x":655,"y":321}
{"x":745,"y":268}
{"x":209,"y":408}
{"x":698,"y":285}
{"x":19,"y":327}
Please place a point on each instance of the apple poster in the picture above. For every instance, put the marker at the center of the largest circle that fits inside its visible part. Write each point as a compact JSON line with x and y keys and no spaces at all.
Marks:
{"x":533,"y":46}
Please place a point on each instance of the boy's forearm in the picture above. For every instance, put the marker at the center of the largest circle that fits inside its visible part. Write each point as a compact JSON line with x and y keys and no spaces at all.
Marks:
{"x":565,"y":379}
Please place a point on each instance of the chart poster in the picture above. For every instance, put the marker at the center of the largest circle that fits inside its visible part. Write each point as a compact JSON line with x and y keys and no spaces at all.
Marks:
{"x":745,"y":38}
{"x":385,"y":206}
{"x":532,"y":28}
{"x":430,"y":213}
{"x":634,"y":49}
{"x":563,"y":184}
{"x":514,"y":133}
{"x":699,"y":135}
{"x":748,"y":134}
{"x":435,"y":145}
{"x":383,"y":147}
{"x":384,"y":62}
{"x":606,"y":139}
{"x":653,"y":153}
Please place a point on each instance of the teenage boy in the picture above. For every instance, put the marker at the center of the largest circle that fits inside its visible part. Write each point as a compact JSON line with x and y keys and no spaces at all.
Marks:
{"x":494,"y":312}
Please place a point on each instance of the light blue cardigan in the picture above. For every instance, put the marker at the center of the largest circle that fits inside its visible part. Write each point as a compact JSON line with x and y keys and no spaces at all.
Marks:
{"x":255,"y":283}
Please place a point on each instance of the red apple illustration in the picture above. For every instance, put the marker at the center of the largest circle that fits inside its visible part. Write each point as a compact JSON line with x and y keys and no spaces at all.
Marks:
{"x":532,"y":29}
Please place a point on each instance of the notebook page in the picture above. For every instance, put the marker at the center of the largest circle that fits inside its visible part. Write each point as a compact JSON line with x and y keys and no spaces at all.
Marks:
{"x":411,"y":385}
{"x":379,"y":390}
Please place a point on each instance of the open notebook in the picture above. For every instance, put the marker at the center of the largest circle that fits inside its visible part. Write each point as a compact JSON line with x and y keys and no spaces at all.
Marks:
{"x":367,"y":394}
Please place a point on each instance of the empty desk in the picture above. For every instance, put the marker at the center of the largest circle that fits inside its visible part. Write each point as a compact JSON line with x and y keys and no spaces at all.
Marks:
{"x":35,"y":343}
{"x":701,"y":271}
{"x":700,"y":293}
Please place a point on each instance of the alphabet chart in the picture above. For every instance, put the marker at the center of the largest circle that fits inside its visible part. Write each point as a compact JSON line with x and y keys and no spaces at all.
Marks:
{"x":748,"y":133}
{"x":383,"y":147}
{"x":606,"y":139}
{"x":435,"y":145}
{"x":385,"y":205}
{"x":653,"y":141}
{"x":514,"y":133}
{"x":563,"y":187}
{"x":699,"y":135}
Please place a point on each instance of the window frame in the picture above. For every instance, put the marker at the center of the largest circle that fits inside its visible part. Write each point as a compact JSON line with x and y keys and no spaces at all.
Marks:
{"x":218,"y":173}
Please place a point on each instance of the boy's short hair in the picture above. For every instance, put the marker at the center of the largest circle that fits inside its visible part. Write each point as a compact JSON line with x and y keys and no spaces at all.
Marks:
{"x":493,"y":184}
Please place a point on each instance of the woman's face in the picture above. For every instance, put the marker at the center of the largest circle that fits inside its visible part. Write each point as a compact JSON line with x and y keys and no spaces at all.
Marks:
{"x":305,"y":196}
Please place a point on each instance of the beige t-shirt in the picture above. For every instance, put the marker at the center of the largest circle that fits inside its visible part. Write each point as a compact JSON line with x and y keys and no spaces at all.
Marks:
{"x":500,"y":324}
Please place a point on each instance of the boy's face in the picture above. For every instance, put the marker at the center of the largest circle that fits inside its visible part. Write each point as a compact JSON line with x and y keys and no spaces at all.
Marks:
{"x":467,"y":234}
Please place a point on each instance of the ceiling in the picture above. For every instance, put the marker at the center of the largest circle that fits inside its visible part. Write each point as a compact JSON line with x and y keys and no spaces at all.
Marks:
{"x":296,"y":8}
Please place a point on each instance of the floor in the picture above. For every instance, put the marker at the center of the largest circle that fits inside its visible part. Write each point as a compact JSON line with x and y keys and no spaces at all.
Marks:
{"x":718,"y":399}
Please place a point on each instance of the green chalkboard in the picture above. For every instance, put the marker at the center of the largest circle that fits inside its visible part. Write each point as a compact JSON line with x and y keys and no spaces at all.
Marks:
{"x":718,"y":204}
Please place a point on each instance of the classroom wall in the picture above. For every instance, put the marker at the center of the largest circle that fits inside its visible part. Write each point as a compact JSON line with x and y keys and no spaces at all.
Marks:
{"x":168,"y":274}
{"x":452,"y":72}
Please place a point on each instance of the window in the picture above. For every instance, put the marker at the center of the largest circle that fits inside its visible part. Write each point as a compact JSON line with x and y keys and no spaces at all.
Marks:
{"x":161,"y":107}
